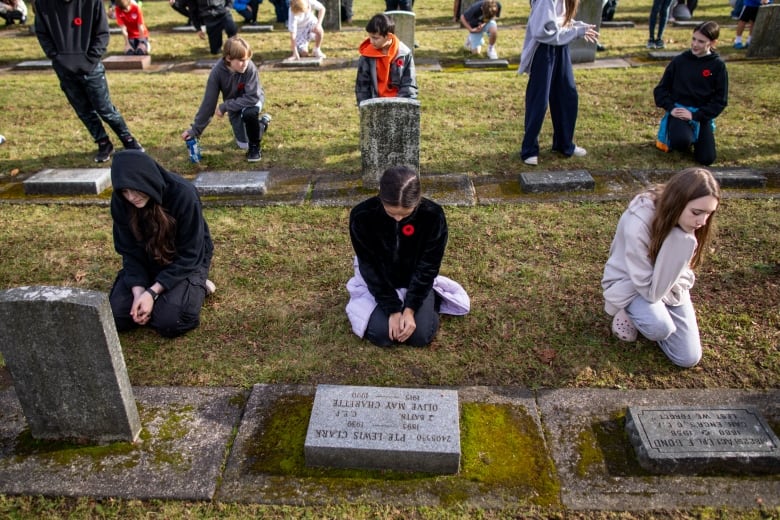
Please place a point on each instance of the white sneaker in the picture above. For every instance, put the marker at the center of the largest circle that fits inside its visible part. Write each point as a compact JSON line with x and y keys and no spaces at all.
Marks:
{"x":579,"y":152}
{"x":318,"y":53}
{"x":491,"y":52}
{"x":210,"y":287}
{"x":533,"y":160}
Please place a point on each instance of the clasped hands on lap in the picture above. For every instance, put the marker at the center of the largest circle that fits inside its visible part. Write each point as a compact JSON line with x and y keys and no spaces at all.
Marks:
{"x":402,"y":325}
{"x":681,"y":113}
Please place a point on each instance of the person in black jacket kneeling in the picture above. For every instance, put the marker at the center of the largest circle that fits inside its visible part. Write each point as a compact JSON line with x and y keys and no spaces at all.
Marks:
{"x":165,"y":244}
{"x":399,"y":239}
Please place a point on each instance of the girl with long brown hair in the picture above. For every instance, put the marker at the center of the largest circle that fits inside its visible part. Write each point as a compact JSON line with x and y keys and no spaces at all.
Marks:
{"x":165,"y":244}
{"x":647,"y":280}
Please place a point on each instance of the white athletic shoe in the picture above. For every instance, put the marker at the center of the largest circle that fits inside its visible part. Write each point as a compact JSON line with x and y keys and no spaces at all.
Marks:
{"x":492,"y":53}
{"x":532,"y":161}
{"x":579,"y":152}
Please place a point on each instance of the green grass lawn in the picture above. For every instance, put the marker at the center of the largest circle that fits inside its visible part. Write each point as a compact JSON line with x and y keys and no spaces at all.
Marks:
{"x":532,"y":270}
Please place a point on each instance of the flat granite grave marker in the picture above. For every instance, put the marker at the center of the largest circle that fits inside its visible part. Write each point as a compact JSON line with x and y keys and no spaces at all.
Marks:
{"x":407,"y":429}
{"x":690,"y":440}
{"x":232,"y":183}
{"x":540,"y":182}
{"x":78,"y":181}
{"x":126,"y":62}
{"x":62,"y":350}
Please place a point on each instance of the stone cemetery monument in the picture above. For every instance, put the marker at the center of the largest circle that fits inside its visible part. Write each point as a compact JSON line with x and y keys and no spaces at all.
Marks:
{"x":332,"y":19}
{"x":582,"y":51}
{"x":764,"y":42}
{"x":404,"y":26}
{"x":62,"y":350}
{"x":692,"y":440}
{"x":367,"y":427}
{"x":389,"y":136}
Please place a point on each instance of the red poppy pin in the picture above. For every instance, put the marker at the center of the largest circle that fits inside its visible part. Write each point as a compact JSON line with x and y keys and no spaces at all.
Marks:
{"x":706,"y":73}
{"x":77,"y":22}
{"x":408,"y":230}
{"x":399,"y":62}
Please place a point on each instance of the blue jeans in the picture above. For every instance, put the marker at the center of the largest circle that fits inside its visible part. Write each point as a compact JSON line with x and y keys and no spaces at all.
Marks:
{"x":659,"y":12}
{"x":674,"y":328}
{"x":89,"y":97}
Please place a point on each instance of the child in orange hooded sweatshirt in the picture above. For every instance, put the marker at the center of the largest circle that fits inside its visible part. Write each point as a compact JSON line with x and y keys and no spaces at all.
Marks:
{"x":386,"y":65}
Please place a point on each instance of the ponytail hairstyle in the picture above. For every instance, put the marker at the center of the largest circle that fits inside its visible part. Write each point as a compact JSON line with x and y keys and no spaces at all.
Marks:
{"x":571,"y":11}
{"x":400,"y":187}
{"x":670,"y":201}
{"x":153,"y":226}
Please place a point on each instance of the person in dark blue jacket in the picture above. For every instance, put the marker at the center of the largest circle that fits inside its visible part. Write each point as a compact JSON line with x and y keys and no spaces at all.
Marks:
{"x":165,"y":244}
{"x":74,"y":35}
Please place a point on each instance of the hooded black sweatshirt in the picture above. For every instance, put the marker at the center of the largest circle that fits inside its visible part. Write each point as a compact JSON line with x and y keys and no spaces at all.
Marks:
{"x":393,"y":255}
{"x":73,"y":33}
{"x":700,"y":82}
{"x":133,"y":169}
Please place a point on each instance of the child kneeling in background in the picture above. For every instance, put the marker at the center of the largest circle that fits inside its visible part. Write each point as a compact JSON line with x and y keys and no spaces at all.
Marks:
{"x":130,"y":19}
{"x":236,"y":77}
{"x":305,"y":27}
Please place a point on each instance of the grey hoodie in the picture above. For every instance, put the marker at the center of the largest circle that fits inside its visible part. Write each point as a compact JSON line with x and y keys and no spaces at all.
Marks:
{"x":630,"y":273}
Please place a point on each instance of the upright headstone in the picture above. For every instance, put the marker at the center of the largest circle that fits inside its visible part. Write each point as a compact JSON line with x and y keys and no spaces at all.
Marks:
{"x":688,"y":440}
{"x":764,"y":42}
{"x":62,"y":350}
{"x":389,"y":136}
{"x":332,"y":19}
{"x":384,"y":428}
{"x":404,"y":26}
{"x":582,"y":51}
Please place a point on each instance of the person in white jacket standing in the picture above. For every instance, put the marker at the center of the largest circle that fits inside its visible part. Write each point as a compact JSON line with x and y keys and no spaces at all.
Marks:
{"x":545,"y":57}
{"x":647,"y":279}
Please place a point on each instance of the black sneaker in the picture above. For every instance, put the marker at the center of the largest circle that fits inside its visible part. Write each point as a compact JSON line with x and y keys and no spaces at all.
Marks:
{"x":104,"y":151}
{"x":659,"y":44}
{"x":131,"y":144}
{"x":253,"y":154}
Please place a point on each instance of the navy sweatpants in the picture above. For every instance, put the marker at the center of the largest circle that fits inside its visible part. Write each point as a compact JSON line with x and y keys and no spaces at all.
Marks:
{"x":550,"y":81}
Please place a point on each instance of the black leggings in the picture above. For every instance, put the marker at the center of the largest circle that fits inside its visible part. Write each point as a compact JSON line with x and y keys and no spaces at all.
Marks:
{"x":175,"y":312}
{"x":681,"y":139}
{"x":426,"y":318}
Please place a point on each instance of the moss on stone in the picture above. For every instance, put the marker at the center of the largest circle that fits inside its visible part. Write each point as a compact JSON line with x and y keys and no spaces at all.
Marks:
{"x":501,"y":445}
{"x":502,"y":452}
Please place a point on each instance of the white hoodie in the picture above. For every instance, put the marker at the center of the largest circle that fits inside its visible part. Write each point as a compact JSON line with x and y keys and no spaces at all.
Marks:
{"x":630,"y":273}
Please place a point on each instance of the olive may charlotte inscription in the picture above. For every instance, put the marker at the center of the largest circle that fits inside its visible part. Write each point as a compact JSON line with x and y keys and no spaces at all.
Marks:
{"x":689,"y":440}
{"x":384,"y":428}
